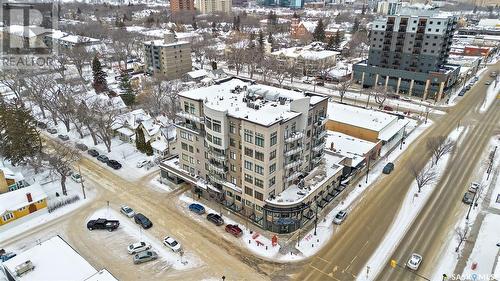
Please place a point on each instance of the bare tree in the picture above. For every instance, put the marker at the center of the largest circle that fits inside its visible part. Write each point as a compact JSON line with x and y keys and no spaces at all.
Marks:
{"x":236,"y":55}
{"x":13,"y":79}
{"x":461,"y":235}
{"x":439,"y":146}
{"x":37,"y":87}
{"x":278,"y":70}
{"x":198,"y":49}
{"x":160,"y":97}
{"x":79,"y":57}
{"x":59,"y":158}
{"x":423,"y":176}
{"x":380,"y":95}
{"x":103,"y":119}
{"x":342,"y":87}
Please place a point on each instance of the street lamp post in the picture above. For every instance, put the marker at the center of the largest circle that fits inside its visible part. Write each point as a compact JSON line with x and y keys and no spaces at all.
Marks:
{"x":368,"y":168}
{"x":316,"y":220}
{"x":470,"y":206}
{"x":81,"y":182}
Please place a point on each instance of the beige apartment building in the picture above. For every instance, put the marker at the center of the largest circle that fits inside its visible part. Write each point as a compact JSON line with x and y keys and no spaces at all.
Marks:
{"x":168,"y":57}
{"x":211,"y":6}
{"x":256,"y":149}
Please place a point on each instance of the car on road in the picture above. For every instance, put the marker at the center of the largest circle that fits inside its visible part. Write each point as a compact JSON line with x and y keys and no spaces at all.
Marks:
{"x":462,"y":92}
{"x":340,"y":217}
{"x":109,"y":225}
{"x":234,"y":229}
{"x":138,"y":247}
{"x":6,"y":256}
{"x":103,"y":158}
{"x":474,"y":186}
{"x":52,"y":130}
{"x":93,"y":152}
{"x":320,"y":83}
{"x":126,"y":210}
{"x":488,"y":82}
{"x":414,"y":261}
{"x":63,"y":137}
{"x":197,"y":208}
{"x":81,"y":146}
{"x":172,"y":244}
{"x":145,"y":256}
{"x":76,"y":177}
{"x":493,"y":74}
{"x":114,"y":164}
{"x":468,"y":87}
{"x":143,"y":163}
{"x":143,"y":221}
{"x":215,"y":219}
{"x":468,"y":198}
{"x":388,"y":168}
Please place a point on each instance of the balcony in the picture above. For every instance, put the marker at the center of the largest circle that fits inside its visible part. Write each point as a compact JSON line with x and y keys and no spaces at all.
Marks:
{"x":293,"y":176}
{"x":213,"y":178}
{"x":218,"y":168}
{"x":216,"y":155}
{"x":322,"y":134}
{"x":319,"y":147}
{"x":294,"y":136}
{"x":190,"y":116}
{"x":320,"y":122}
{"x":293,"y":151}
{"x":293,"y":164}
{"x":190,"y":127}
{"x":316,"y":160}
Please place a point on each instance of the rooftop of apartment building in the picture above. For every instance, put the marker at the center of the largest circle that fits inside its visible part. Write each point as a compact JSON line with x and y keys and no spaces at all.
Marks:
{"x":359,"y":117}
{"x":162,"y":43}
{"x":261,"y":104}
{"x":349,"y":146}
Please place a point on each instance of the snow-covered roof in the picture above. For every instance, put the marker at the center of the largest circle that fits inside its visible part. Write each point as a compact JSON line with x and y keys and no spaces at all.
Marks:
{"x":25,"y":31}
{"x":309,"y":25}
{"x":53,"y":259}
{"x":161,"y":43}
{"x":16,"y":199}
{"x":151,"y":126}
{"x":131,"y":119}
{"x":159,"y":145}
{"x":265,"y":110}
{"x":388,"y":132}
{"x":348,"y":146}
{"x":102,"y":275}
{"x":491,"y":23}
{"x":359,"y":117}
{"x":195,"y":74}
{"x":309,"y":52}
{"x":70,"y":38}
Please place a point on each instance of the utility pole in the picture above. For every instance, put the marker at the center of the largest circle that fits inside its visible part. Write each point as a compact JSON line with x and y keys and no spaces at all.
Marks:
{"x":470,"y":206}
{"x":368,"y":168}
{"x":81,"y":182}
{"x":490,"y":166}
{"x":316,"y":220}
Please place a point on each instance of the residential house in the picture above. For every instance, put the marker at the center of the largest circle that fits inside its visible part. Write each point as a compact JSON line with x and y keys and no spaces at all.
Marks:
{"x":126,"y":124}
{"x":21,"y":202}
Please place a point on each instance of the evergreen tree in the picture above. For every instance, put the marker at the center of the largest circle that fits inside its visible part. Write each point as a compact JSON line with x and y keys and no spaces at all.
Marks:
{"x":148,"y":149}
{"x":195,"y":26}
{"x":363,"y":10}
{"x":78,"y":11}
{"x":214,"y":27}
{"x":19,"y":138}
{"x":261,"y":40}
{"x":338,"y":38}
{"x":140,"y":141}
{"x":128,"y":95}
{"x":475,"y":9}
{"x":355,"y":25}
{"x":270,"y":38}
{"x":331,"y":43}
{"x":99,"y":75}
{"x":238,"y":23}
{"x":319,"y":32}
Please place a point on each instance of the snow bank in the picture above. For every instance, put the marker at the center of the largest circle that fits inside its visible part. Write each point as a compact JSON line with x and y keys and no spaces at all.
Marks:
{"x":491,"y":95}
{"x":412,"y":205}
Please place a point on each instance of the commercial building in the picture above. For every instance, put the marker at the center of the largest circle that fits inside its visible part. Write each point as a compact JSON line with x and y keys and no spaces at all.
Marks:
{"x":292,"y":4}
{"x":212,"y":6}
{"x":21,"y":202}
{"x":357,"y":152}
{"x":310,"y":60}
{"x":409,"y":53}
{"x":256,"y":149}
{"x":389,"y":7}
{"x":181,"y":5}
{"x":168,"y":57}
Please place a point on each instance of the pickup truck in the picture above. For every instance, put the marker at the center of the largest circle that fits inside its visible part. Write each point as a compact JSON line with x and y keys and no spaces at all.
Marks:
{"x":110,"y":225}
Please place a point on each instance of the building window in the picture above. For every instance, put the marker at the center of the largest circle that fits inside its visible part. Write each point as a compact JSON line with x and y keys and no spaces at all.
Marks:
{"x":233,"y":155}
{"x":258,"y":208}
{"x":238,"y":198}
{"x":248,"y":178}
{"x":259,"y":169}
{"x":232,"y":128}
{"x":248,"y":137}
{"x":248,"y":165}
{"x":437,"y":30}
{"x":217,"y":141}
{"x":248,"y":191}
{"x":249,"y":203}
{"x":185,"y":157}
{"x":233,"y":168}
{"x":272,"y":155}
{"x":272,"y":181}
{"x":259,"y":196}
{"x":259,"y":183}
{"x":259,"y":155}
{"x":248,"y":152}
{"x":272,"y":168}
{"x":259,"y":139}
{"x":208,"y":123}
{"x":184,"y":146}
{"x":216,"y":126}
{"x":7,"y":217}
{"x":274,"y":138}
{"x":232,"y":142}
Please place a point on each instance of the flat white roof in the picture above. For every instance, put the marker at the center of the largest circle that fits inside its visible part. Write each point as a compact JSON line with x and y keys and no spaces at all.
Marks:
{"x":16,"y":199}
{"x":54,"y":260}
{"x":102,"y":275}
{"x":270,"y":110}
{"x":359,"y":117}
{"x":161,"y":43}
{"x":348,"y":146}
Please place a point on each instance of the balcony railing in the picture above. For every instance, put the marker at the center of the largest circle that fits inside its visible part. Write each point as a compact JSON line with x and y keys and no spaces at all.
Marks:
{"x":319,"y":147}
{"x":215,"y":179}
{"x":322,"y":134}
{"x":190,"y":116}
{"x":321,"y":121}
{"x":293,"y":151}
{"x":217,"y":168}
{"x":293,"y":176}
{"x":190,"y":127}
{"x":294,"y":136}
{"x":215,"y":155}
{"x":293,"y":163}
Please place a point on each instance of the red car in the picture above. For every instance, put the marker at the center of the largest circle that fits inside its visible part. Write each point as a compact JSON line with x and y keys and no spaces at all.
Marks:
{"x":234,"y":230}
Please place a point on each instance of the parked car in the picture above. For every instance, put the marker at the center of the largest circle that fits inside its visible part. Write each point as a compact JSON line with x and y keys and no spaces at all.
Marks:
{"x":52,"y":130}
{"x":93,"y":152}
{"x":103,"y":158}
{"x":474,"y":186}
{"x":114,"y":164}
{"x":197,"y":208}
{"x":468,"y":87}
{"x":388,"y":168}
{"x":63,"y":137}
{"x":388,"y":108}
{"x":488,"y":82}
{"x":41,"y":125}
{"x":462,"y":92}
{"x":24,"y":267}
{"x":143,"y":163}
{"x":126,"y":210}
{"x":110,"y":225}
{"x":81,"y":147}
{"x":76,"y":177}
{"x":7,"y":256}
{"x":145,"y":256}
{"x":215,"y":219}
{"x":493,"y":74}
{"x":234,"y":229}
{"x":475,"y":79}
{"x":172,"y":244}
{"x":143,"y":221}
{"x":320,"y":83}
{"x":138,"y":247}
{"x":468,"y":198}
{"x":340,"y":217}
{"x":414,"y":261}
{"x":306,"y":81}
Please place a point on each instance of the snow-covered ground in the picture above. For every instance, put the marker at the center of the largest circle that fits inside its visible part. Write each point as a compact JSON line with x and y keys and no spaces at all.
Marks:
{"x":491,"y":95}
{"x":449,"y":257}
{"x":453,"y":100}
{"x":129,"y":232}
{"x":412,"y":204}
{"x":157,"y":185}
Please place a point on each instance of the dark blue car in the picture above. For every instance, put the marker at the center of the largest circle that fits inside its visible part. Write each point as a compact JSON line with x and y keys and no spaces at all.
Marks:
{"x":197,"y":208}
{"x":7,"y":256}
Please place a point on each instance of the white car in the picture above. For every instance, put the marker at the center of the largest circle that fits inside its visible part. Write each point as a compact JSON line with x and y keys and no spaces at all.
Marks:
{"x":172,"y":244}
{"x":126,"y":210}
{"x":143,"y":163}
{"x":474,"y":186}
{"x":138,"y":247}
{"x":76,"y":178}
{"x":340,"y":217}
{"x":414,"y":262}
